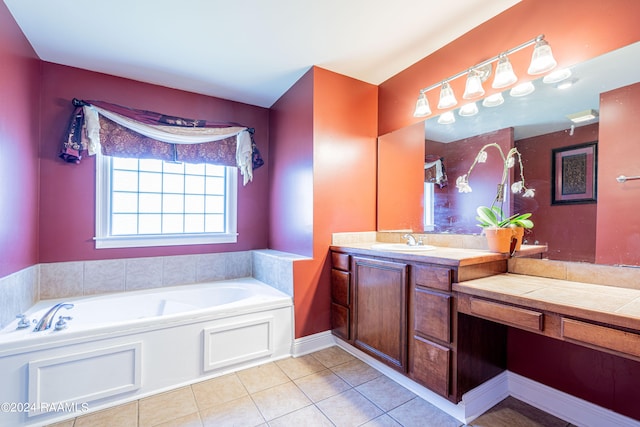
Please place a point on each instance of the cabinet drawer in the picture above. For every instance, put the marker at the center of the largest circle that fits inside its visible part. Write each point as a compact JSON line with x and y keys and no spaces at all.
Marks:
{"x":432,"y":314}
{"x":340,"y":287}
{"x":601,"y":336}
{"x":432,"y":277}
{"x":507,"y":314}
{"x":431,"y":365}
{"x":340,"y":320}
{"x":340,"y":261}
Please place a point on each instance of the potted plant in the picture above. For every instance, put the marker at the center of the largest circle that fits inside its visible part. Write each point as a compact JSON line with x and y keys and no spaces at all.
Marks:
{"x":503,"y":234}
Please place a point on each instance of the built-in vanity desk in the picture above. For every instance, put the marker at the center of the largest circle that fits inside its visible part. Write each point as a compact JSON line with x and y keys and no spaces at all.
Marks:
{"x":605,"y":318}
{"x":400,"y":308}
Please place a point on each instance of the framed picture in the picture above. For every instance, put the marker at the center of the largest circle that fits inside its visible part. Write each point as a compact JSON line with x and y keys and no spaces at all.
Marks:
{"x":574,"y":174}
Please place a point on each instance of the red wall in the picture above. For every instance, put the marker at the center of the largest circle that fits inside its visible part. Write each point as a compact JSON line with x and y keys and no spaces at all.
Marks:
{"x":572,"y":233}
{"x":455,"y":211}
{"x":19,"y":127}
{"x":606,"y":380}
{"x":575,"y":30}
{"x":67,"y":200}
{"x":342,"y":174}
{"x":618,"y":238}
{"x":403,"y":154}
{"x":291,"y":178}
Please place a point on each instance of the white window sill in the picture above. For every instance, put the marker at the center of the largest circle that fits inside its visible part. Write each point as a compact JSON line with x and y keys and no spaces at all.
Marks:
{"x":163,"y":240}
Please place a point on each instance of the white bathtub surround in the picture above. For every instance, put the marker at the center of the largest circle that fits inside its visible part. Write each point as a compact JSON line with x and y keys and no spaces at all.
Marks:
{"x":18,"y":292}
{"x":126,"y":343}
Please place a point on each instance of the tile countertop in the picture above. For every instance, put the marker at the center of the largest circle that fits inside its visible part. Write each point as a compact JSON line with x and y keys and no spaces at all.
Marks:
{"x":606,"y":304}
{"x":455,"y":257}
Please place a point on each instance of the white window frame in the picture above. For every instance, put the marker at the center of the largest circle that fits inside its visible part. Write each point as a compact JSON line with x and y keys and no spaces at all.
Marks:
{"x":105,"y":240}
{"x":429,"y":207}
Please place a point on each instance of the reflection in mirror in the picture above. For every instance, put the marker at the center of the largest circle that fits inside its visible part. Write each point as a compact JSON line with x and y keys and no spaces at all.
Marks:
{"x":536,"y":124}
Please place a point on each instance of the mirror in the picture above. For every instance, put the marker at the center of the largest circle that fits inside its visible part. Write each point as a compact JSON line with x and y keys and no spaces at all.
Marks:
{"x":536,"y":124}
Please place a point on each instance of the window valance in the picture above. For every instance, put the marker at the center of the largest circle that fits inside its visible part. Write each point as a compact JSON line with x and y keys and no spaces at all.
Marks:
{"x":126,"y":132}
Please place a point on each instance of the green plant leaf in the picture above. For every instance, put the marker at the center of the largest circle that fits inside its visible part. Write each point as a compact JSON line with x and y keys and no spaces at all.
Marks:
{"x":487,"y":217}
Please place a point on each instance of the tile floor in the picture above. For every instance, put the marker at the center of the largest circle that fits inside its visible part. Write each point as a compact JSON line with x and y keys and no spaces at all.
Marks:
{"x":326,"y":388}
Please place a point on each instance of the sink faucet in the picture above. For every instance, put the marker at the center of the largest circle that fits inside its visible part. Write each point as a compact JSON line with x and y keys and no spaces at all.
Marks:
{"x":411,"y":241}
{"x":47,"y":319}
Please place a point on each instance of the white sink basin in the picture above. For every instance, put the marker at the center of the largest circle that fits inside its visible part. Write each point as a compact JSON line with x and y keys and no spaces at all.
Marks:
{"x":401,"y":247}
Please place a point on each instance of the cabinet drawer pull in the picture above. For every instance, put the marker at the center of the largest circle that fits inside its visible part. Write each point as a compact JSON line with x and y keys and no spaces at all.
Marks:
{"x":519,"y":317}
{"x":601,"y":336}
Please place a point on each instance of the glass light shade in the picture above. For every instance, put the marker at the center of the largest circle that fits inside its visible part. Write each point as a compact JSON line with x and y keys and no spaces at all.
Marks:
{"x":422,"y":106}
{"x":522,"y":89}
{"x":447,"y":98}
{"x":473,"y":88}
{"x":447,"y":118}
{"x":468,"y":110}
{"x":493,"y":100}
{"x":542,"y":59}
{"x":557,"y":76}
{"x":504,"y":74}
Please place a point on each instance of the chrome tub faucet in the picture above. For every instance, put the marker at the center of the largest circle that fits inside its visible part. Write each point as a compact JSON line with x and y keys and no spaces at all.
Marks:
{"x":47,"y":320}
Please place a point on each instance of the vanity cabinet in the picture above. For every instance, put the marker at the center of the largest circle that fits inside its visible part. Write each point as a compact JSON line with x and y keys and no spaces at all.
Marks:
{"x":431,"y":346}
{"x":380,"y":310}
{"x":341,"y":295}
{"x":403,"y":313}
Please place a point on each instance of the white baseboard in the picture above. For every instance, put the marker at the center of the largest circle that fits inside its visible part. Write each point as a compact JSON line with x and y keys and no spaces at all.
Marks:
{"x":565,"y":406}
{"x":311,"y":343}
{"x":482,"y":398}
{"x":456,"y":411}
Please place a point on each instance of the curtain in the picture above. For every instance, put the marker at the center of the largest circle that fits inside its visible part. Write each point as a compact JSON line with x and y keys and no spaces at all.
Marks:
{"x":434,"y":171}
{"x":126,"y":132}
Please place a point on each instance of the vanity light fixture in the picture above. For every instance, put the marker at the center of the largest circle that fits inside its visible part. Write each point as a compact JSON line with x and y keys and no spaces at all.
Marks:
{"x":504,"y":74}
{"x":542,"y":61}
{"x":557,"y":76}
{"x":565,"y":84}
{"x":468,"y":110}
{"x":446,"y":118}
{"x":493,"y":100}
{"x":473,"y":88}
{"x":523,"y":89}
{"x":447,"y":98}
{"x":422,"y":106}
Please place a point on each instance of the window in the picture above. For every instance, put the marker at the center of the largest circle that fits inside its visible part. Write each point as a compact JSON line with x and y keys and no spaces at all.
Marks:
{"x":429,"y":202}
{"x":145,"y":202}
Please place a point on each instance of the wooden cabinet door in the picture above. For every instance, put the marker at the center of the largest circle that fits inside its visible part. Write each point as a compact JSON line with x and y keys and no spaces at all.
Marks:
{"x":379,"y":322}
{"x":432,"y":363}
{"x":340,"y":321}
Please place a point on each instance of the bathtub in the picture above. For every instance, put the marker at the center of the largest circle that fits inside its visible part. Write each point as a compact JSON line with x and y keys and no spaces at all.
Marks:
{"x":121,"y":347}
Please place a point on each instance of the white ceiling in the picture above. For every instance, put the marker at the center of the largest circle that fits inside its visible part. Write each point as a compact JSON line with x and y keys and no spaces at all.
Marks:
{"x":249,"y":51}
